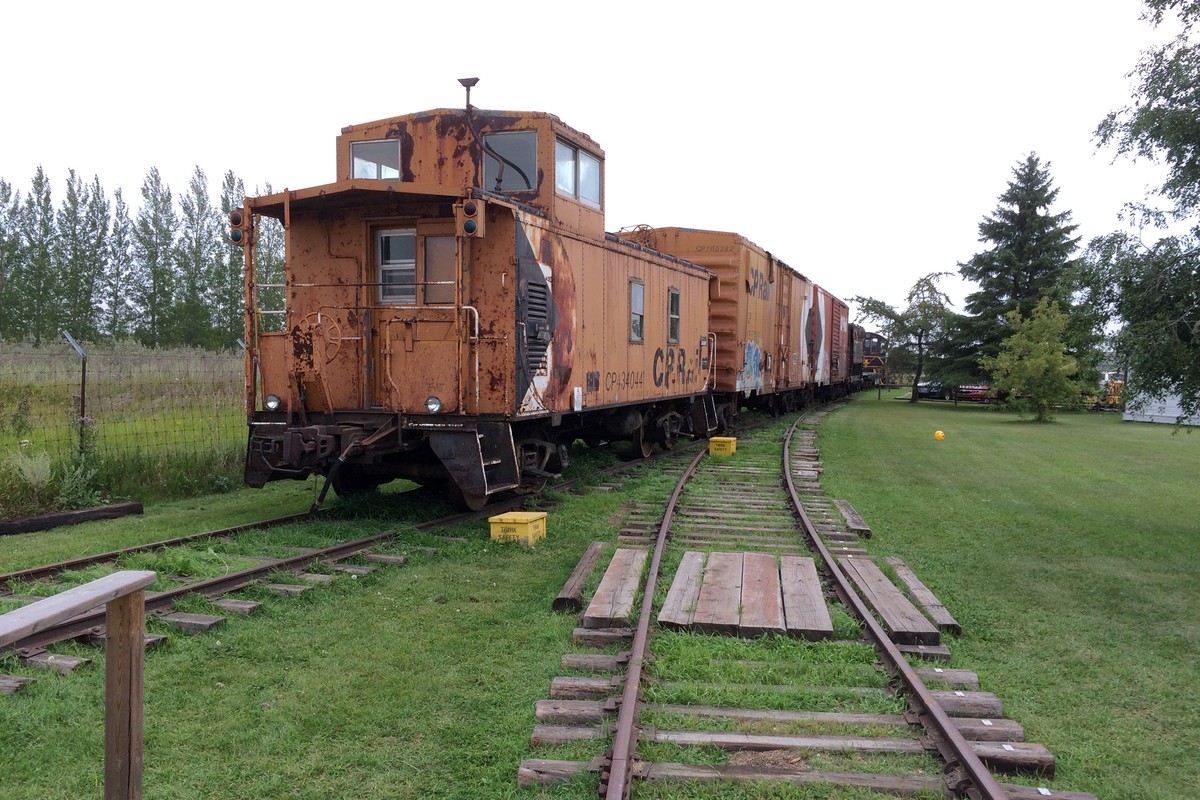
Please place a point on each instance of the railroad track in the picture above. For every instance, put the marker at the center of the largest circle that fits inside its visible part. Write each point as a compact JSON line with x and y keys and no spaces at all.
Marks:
{"x":308,"y":565}
{"x":757,"y":636}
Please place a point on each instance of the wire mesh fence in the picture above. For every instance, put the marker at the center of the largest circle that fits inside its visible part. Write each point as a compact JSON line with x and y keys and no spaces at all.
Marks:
{"x":130,"y":411}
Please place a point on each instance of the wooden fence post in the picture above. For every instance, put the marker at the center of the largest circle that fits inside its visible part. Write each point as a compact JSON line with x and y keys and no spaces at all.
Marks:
{"x":123,"y":695}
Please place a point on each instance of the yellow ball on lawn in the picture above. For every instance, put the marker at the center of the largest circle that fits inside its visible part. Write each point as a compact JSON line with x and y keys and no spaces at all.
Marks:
{"x":939,"y":435}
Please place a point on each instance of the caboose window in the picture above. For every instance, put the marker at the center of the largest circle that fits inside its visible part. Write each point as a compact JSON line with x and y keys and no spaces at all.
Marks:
{"x":637,"y":311}
{"x":673,"y":316}
{"x":396,"y":258}
{"x":376,"y":160}
{"x":439,"y":269}
{"x":510,"y":161}
{"x":576,"y":173}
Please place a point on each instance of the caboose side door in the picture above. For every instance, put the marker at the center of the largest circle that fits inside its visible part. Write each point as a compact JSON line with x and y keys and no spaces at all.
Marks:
{"x":416,"y":330}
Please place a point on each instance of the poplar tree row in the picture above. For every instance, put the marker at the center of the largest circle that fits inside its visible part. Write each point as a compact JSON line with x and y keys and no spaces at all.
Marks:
{"x":164,"y":274}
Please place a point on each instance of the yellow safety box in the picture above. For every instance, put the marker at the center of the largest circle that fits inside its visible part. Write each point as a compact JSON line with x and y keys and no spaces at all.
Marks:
{"x":520,"y":526}
{"x":722,"y":445}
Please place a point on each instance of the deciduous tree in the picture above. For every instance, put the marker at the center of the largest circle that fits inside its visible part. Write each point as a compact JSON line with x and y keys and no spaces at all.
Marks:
{"x":154,"y":284}
{"x":10,"y":255}
{"x":1154,"y":287}
{"x":912,"y":331}
{"x":35,"y":290}
{"x":1033,"y":366}
{"x":115,"y":291}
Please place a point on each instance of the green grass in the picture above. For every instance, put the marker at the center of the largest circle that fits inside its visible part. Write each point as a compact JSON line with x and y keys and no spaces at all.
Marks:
{"x":1068,"y":553}
{"x":1065,"y":550}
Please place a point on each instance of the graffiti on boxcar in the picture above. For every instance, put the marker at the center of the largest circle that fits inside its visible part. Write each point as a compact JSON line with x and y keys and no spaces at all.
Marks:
{"x":751,"y":375}
{"x":758,"y":285}
{"x":670,"y":367}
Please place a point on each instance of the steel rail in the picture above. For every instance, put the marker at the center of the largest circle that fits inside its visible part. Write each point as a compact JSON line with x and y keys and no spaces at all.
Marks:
{"x":614,"y":780}
{"x":977,"y":782}
{"x":48,"y":570}
{"x":161,"y":603}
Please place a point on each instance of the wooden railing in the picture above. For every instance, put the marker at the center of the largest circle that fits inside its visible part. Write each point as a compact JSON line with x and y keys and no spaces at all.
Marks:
{"x":124,"y":597}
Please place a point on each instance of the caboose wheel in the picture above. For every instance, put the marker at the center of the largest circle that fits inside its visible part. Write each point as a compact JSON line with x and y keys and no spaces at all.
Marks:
{"x":642,"y":446}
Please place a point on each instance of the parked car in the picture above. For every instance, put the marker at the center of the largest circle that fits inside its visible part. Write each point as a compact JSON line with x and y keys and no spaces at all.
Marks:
{"x":932,"y":391}
{"x":971,"y":394}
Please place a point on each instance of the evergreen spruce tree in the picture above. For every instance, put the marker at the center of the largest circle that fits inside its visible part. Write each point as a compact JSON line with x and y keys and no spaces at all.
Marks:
{"x":10,"y":256}
{"x":154,"y":284}
{"x":197,"y":248}
{"x":35,"y":290}
{"x":1031,"y":257}
{"x":227,"y":279}
{"x":115,"y":293}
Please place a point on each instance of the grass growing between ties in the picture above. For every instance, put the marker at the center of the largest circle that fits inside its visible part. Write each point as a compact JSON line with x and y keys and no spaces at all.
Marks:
{"x":1068,"y":553}
{"x":412,"y":682}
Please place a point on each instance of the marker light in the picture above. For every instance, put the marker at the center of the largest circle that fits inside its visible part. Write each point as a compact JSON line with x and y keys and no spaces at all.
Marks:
{"x":271,"y":401}
{"x":433,"y":404}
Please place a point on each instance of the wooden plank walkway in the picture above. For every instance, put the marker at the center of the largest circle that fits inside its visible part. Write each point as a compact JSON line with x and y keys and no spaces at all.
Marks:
{"x":613,"y":601}
{"x":854,"y":522}
{"x":926,"y":599}
{"x":900,"y":618}
{"x":747,"y":594}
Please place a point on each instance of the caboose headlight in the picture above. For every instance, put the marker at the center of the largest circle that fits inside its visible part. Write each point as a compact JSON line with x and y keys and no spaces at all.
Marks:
{"x":433,"y":404}
{"x":271,"y":401}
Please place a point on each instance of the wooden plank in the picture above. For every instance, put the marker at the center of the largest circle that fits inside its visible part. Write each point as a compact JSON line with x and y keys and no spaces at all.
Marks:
{"x":720,"y":593}
{"x":192,"y":624}
{"x":613,"y":601}
{"x":544,"y":771}
{"x":901,"y":619}
{"x":731,"y":740}
{"x":64,"y":665}
{"x":924,"y":597}
{"x":901,"y":785}
{"x":1016,"y":758}
{"x":959,"y":678}
{"x":969,"y":704}
{"x":804,"y":609}
{"x":583,"y":688}
{"x":27,"y":620}
{"x":762,"y":602}
{"x":61,"y":518}
{"x":974,"y":729}
{"x":601,"y":637}
{"x":565,"y":734}
{"x":595,"y":662}
{"x":853,"y":521}
{"x":573,"y":712}
{"x":932,"y":652}
{"x":570,"y":598}
{"x":680,"y":605}
{"x":232,"y":605}
{"x":386,"y":558}
{"x":11,"y":684}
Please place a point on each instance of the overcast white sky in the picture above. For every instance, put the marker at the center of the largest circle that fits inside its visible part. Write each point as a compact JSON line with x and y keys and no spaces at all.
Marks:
{"x":861,"y":142}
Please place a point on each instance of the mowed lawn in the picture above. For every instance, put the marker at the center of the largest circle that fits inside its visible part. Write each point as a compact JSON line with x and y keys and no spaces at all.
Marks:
{"x":1069,"y":552}
{"x":1066,"y":550}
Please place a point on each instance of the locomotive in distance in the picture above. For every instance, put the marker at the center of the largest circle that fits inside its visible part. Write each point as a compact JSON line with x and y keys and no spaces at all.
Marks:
{"x":456,"y":314}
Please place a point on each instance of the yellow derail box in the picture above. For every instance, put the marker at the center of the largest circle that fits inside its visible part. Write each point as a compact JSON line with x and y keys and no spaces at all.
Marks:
{"x":722,"y":445}
{"x":528,"y":527}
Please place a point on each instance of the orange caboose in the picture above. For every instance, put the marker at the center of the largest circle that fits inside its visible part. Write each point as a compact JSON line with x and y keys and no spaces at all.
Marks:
{"x":456,"y":314}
